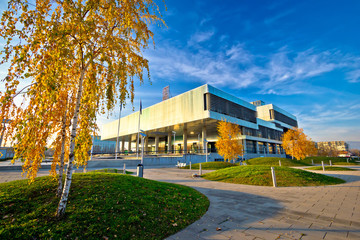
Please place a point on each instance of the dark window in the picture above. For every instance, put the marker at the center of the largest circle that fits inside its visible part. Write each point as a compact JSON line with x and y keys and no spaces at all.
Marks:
{"x":205,"y":102}
{"x":226,"y":107}
{"x":250,"y":146}
{"x":269,"y":133}
{"x":282,"y":118}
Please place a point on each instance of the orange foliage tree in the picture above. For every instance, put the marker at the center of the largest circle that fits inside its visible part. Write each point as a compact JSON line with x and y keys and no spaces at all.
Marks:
{"x":80,"y":57}
{"x":228,"y":144}
{"x":297,"y":144}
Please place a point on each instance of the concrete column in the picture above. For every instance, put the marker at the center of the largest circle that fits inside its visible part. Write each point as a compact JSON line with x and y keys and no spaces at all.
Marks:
{"x":267,"y":148}
{"x":244,"y":145}
{"x":146,"y":144}
{"x":257,"y":147}
{"x":169,"y":142}
{"x":185,"y":140}
{"x":129,"y":145}
{"x":203,"y":138}
{"x":156,"y":144}
{"x":122,"y":144}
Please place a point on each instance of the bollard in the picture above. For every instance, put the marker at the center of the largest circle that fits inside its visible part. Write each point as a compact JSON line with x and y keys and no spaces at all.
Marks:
{"x":124,"y":169}
{"x":273,"y":176}
{"x":322,"y":164}
{"x":312,"y":161}
{"x":200,"y":170}
{"x":190,"y":165}
{"x":330,"y":163}
{"x":140,"y":170}
{"x":280,"y":163}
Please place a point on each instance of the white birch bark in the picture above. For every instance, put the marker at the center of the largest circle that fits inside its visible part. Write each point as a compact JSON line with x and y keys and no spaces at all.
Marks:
{"x":62,"y":155}
{"x":67,"y":184}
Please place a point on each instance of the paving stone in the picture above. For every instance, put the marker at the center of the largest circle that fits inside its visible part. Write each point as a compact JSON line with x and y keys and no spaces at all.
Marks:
{"x":260,"y":233}
{"x":237,"y":234}
{"x":257,"y":212}
{"x":335,"y":235}
{"x":354,"y":235}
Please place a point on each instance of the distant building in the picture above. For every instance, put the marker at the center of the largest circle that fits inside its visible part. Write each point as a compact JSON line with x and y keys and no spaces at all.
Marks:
{"x":338,"y":145}
{"x":192,"y":118}
{"x":100,"y":146}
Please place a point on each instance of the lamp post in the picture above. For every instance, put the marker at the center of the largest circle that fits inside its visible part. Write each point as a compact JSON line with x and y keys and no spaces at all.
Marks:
{"x":143,"y":136}
{"x":140,"y":167}
{"x":206,"y":149}
{"x":174,"y":133}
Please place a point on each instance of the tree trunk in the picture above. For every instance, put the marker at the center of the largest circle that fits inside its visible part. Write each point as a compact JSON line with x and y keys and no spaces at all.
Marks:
{"x":61,"y":167}
{"x":66,"y":189}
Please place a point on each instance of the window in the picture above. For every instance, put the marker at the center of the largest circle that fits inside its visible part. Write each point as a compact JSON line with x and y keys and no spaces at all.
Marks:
{"x":226,"y":107}
{"x":250,"y":146}
{"x":282,"y":118}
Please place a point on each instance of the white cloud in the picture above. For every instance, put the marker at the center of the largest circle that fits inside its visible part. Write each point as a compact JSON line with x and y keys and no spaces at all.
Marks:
{"x":284,"y":72}
{"x":239,"y":54}
{"x":199,"y":37}
{"x":204,"y":20}
{"x":354,"y":76}
{"x":332,"y":120}
{"x":278,"y":16}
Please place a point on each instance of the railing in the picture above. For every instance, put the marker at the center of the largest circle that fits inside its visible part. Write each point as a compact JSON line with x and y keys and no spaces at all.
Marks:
{"x":174,"y":152}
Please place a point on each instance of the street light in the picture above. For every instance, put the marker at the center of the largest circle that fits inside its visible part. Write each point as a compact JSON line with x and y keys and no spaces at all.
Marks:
{"x":143,"y":136}
{"x":206,"y":149}
{"x":174,"y":133}
{"x":140,"y":167}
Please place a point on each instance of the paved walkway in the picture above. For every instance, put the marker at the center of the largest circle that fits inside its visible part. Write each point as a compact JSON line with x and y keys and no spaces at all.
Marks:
{"x":254,"y":212}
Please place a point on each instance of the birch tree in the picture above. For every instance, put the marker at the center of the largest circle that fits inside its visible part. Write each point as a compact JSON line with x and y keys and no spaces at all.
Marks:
{"x":228,"y":144}
{"x":81,"y":56}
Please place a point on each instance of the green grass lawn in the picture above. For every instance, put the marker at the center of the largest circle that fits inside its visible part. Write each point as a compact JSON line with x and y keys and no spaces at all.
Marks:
{"x":317,"y":160}
{"x":211,"y":165}
{"x":113,"y":170}
{"x":101,"y":206}
{"x":329,"y":168}
{"x":274,"y":161}
{"x":345,"y":163}
{"x":261,"y":175}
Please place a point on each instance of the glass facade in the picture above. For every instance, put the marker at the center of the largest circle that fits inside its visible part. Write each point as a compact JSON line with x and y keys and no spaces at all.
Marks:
{"x":282,"y":118}
{"x":250,"y":146}
{"x":263,"y":132}
{"x":262,"y":147}
{"x":226,"y":107}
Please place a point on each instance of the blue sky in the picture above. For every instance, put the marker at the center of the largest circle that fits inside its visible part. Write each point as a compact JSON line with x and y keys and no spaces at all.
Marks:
{"x":302,"y":56}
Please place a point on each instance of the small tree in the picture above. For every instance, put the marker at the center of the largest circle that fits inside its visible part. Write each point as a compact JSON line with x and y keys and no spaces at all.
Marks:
{"x":228,"y":144}
{"x":297,"y":144}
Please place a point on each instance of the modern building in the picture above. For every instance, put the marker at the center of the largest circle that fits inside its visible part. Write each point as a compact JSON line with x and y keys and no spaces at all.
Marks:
{"x":184,"y":124}
{"x":100,"y":146}
{"x":337,"y":145}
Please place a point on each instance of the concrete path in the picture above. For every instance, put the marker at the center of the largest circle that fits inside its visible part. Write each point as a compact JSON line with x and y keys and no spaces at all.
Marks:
{"x":254,"y":212}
